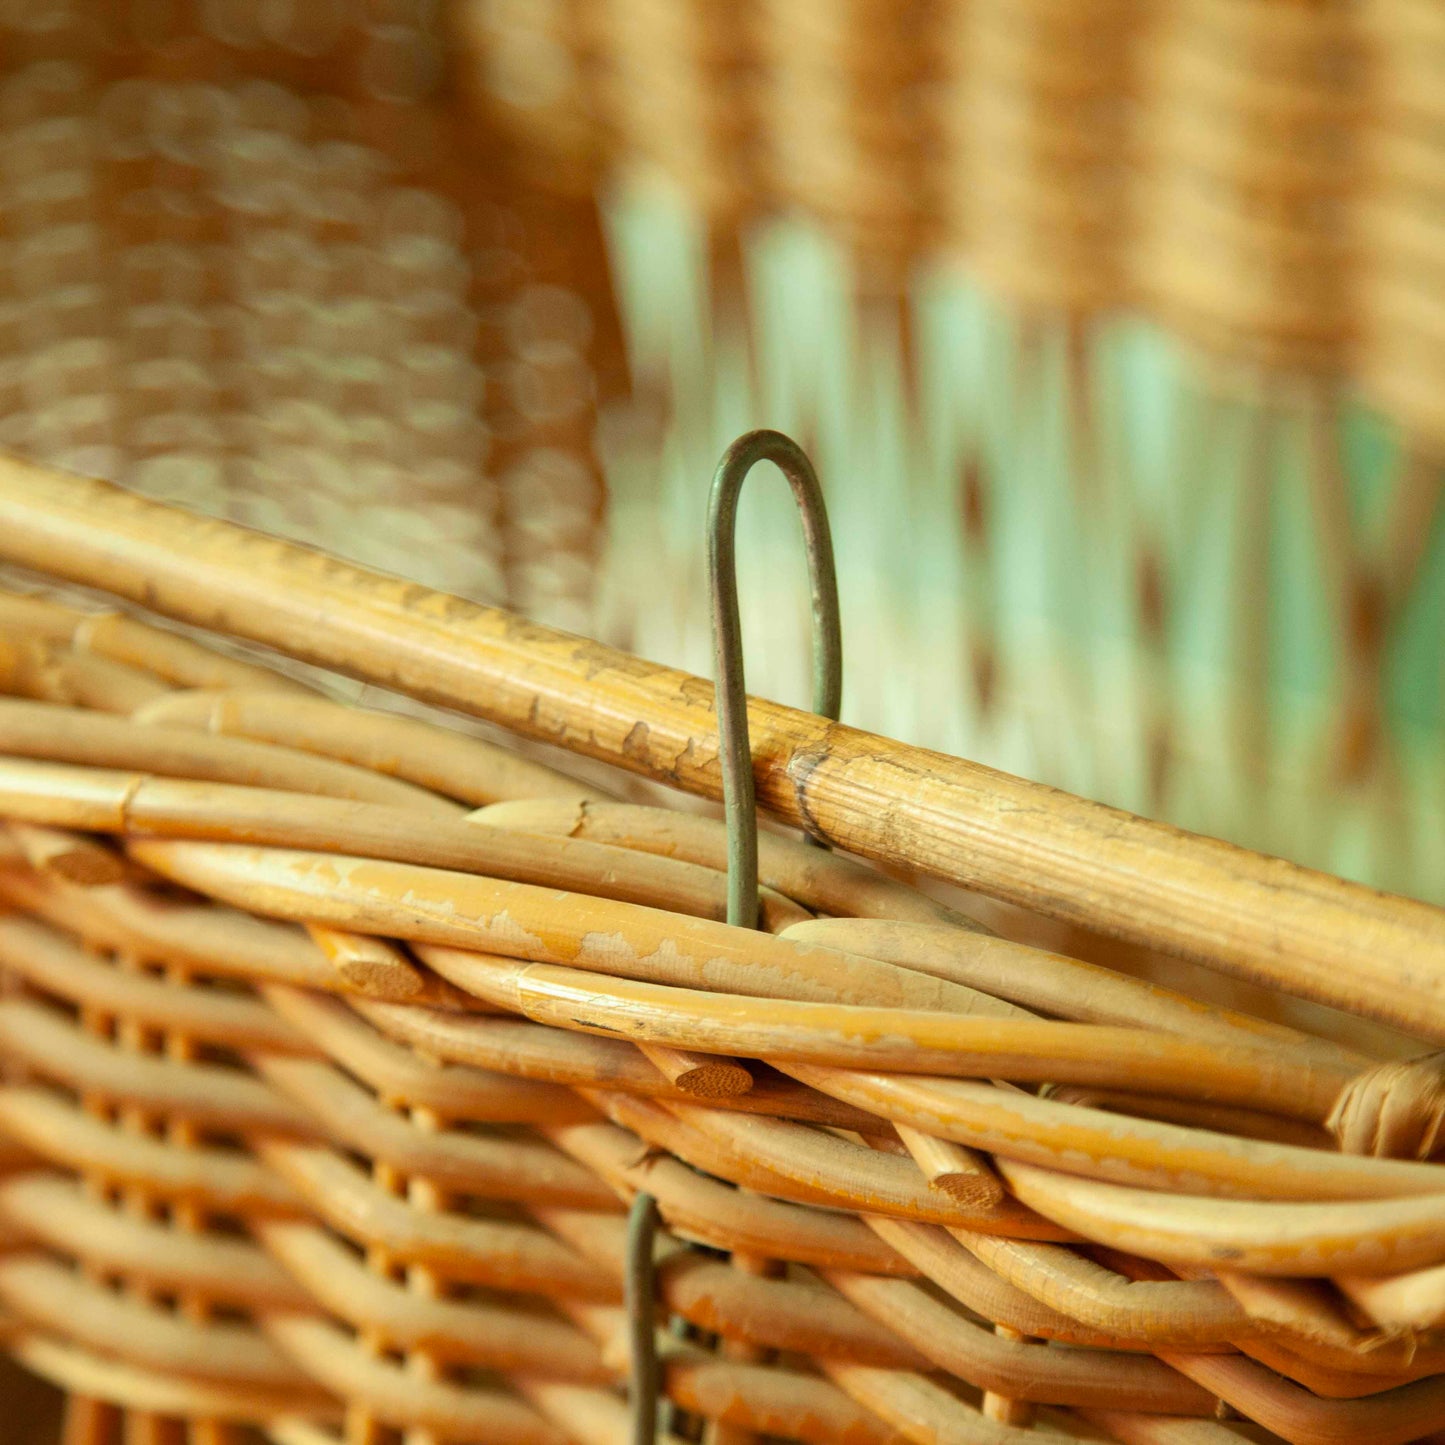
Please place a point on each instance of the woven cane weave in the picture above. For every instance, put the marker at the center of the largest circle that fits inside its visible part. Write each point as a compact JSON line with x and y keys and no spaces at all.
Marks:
{"x":256,"y":259}
{"x":1261,"y":177}
{"x":336,"y":1043}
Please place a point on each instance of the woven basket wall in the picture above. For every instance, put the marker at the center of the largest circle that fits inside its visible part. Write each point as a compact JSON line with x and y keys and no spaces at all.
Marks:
{"x":258,"y":259}
{"x":324,"y":1098}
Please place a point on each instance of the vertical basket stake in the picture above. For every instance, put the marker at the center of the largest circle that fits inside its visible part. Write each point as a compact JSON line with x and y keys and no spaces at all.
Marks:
{"x":739,"y":796}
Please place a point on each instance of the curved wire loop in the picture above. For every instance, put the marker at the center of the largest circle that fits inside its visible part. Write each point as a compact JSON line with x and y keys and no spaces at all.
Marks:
{"x":739,"y":798}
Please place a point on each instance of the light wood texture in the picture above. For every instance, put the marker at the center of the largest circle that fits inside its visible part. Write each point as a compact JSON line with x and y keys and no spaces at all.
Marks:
{"x":1256,"y":917}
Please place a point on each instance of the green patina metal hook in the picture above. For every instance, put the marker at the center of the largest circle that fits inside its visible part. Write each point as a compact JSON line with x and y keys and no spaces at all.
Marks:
{"x":739,"y":797}
{"x":640,"y":1295}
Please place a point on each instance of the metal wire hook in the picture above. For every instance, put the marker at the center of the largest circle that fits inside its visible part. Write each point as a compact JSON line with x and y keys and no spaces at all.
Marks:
{"x":640,"y":1295}
{"x":739,"y":796}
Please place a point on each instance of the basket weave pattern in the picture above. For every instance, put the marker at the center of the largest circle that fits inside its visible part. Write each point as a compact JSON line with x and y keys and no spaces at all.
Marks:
{"x":1261,"y":177}
{"x":260,"y":262}
{"x":324,"y":1098}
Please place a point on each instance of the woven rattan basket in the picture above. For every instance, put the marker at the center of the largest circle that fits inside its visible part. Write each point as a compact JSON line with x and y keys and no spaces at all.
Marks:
{"x":338,"y":1044}
{"x":260,"y":259}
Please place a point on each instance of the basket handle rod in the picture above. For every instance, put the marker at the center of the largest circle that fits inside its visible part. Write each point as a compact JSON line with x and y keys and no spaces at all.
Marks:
{"x":1246,"y":914}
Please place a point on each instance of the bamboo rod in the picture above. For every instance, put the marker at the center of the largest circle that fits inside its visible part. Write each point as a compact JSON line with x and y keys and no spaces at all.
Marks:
{"x":1253,"y":916}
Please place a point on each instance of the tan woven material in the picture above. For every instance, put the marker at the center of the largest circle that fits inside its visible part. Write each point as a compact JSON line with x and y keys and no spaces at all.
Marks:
{"x":258,"y":260}
{"x":1037,"y":114}
{"x":1262,"y":177}
{"x":1248,"y":175}
{"x":336,"y":1042}
{"x":1399,"y":220}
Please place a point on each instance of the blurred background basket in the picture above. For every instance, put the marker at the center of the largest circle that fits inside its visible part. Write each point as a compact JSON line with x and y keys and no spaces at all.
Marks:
{"x":253,"y":263}
{"x":1116,"y":329}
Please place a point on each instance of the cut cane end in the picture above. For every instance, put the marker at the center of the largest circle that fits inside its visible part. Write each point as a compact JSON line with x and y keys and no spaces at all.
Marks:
{"x":720,"y":1080}
{"x":971,"y":1191}
{"x":87,"y":867}
{"x":391,"y":982}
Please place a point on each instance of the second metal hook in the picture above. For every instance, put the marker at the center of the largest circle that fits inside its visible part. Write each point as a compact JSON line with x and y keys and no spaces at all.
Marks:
{"x":739,"y":799}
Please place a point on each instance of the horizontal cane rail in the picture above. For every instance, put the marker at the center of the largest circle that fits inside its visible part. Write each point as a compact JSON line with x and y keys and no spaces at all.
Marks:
{"x":1256,"y":917}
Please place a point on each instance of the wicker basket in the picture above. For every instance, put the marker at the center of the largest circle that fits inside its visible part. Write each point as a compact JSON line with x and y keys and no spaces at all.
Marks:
{"x":337,"y":1042}
{"x":260,"y":260}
